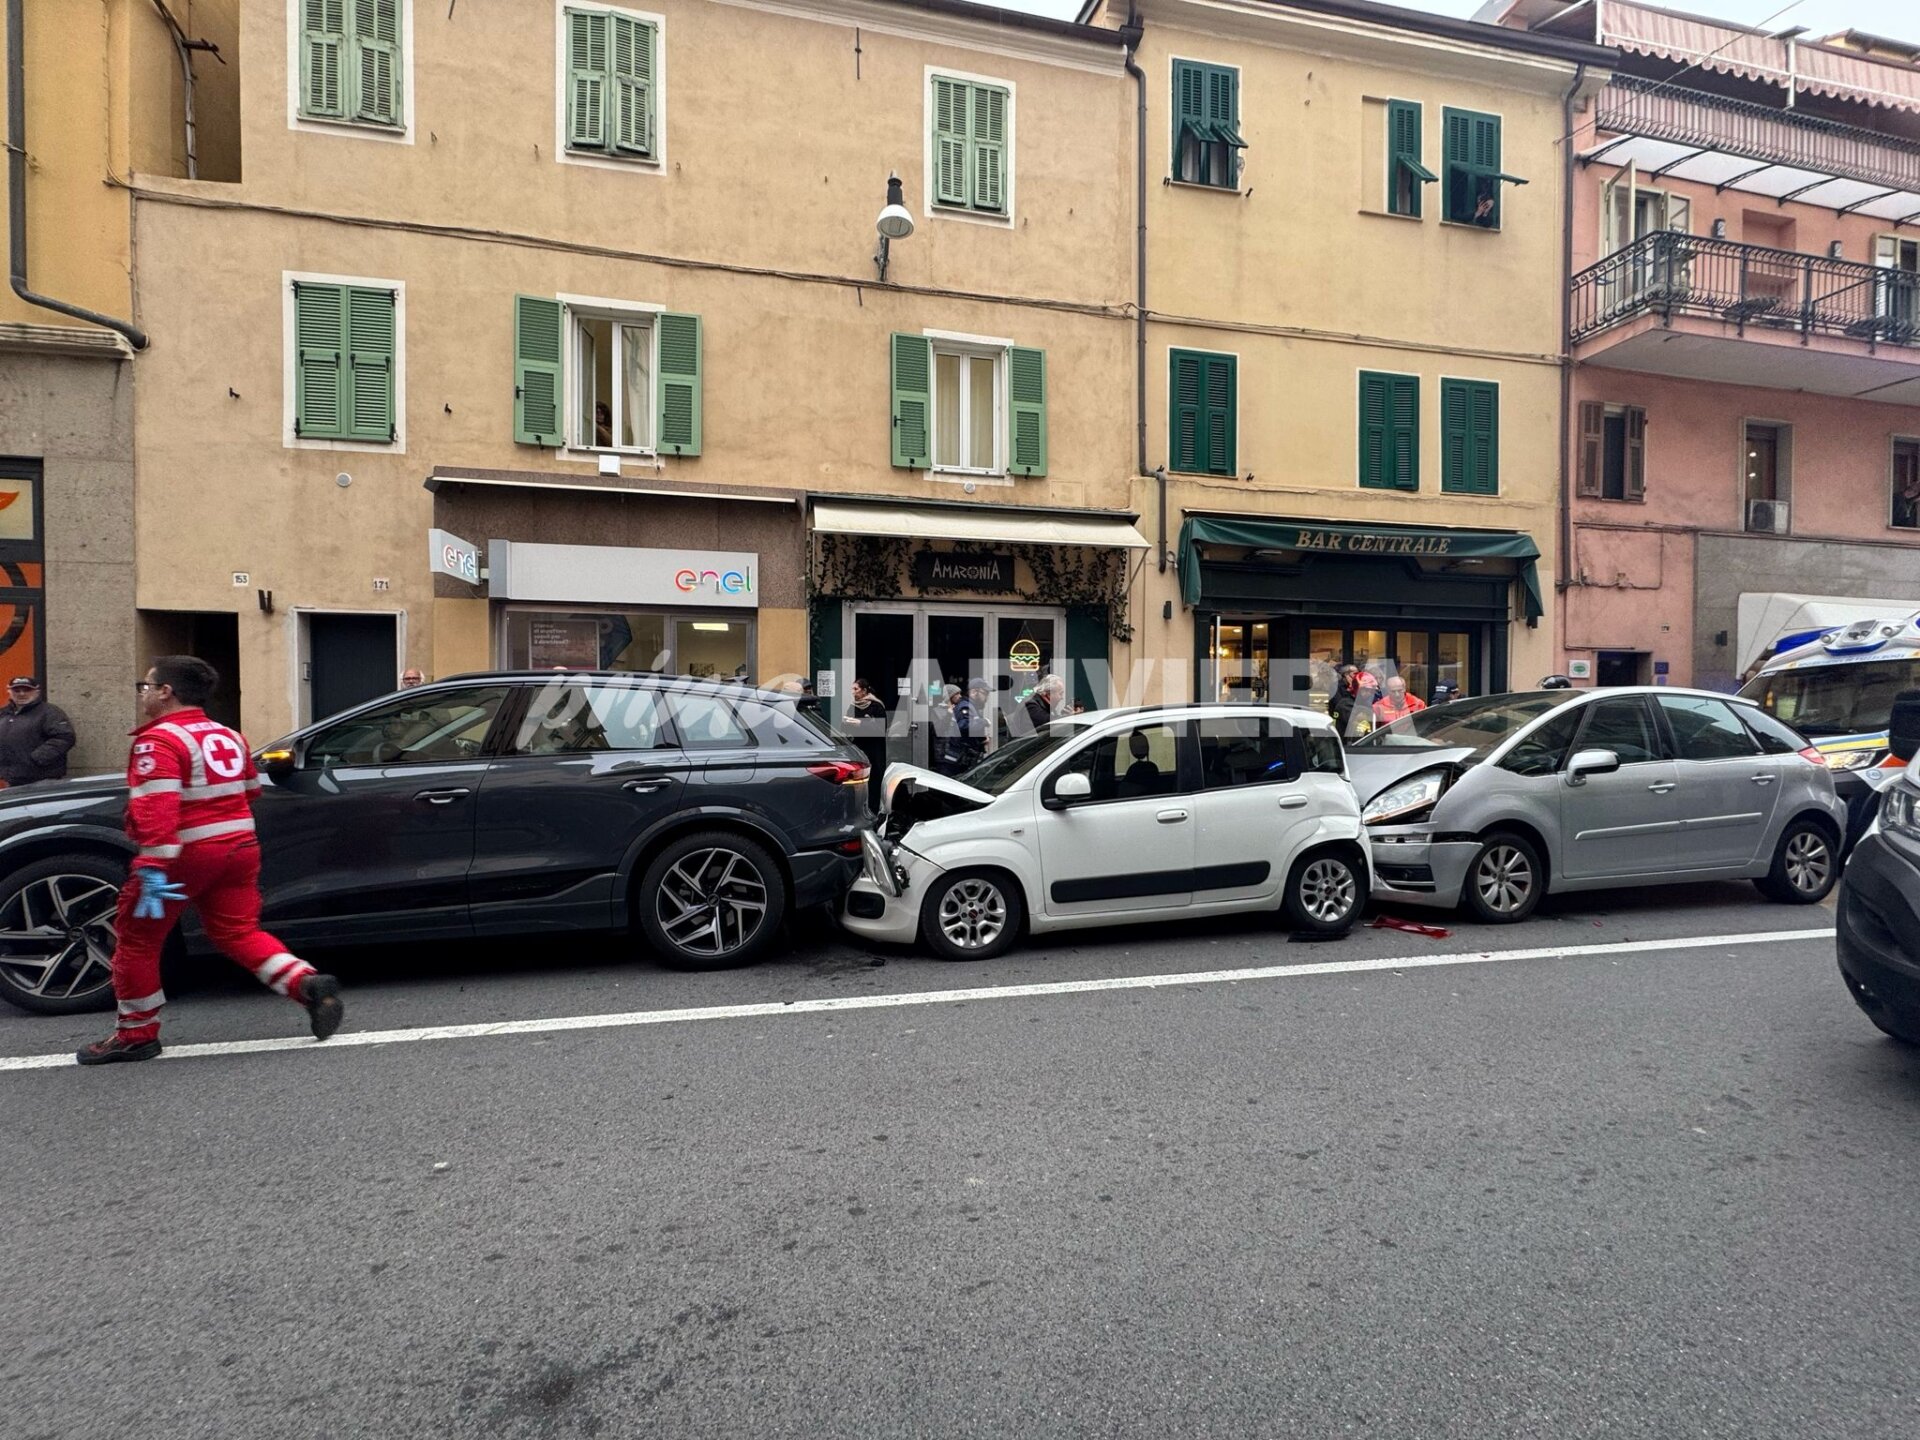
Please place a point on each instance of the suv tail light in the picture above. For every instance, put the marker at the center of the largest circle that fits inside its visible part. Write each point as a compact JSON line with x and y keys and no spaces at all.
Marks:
{"x":1813,"y":757}
{"x":841,"y":772}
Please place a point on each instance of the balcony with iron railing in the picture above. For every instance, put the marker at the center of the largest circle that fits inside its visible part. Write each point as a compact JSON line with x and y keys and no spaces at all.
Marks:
{"x":1759,"y":149}
{"x":1720,"y":310}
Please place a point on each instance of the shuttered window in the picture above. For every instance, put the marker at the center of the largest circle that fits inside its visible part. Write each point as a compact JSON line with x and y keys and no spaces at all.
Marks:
{"x":351,"y":67}
{"x":971,"y":158}
{"x":1470,"y":168}
{"x":1406,"y":174}
{"x":612,"y":88}
{"x":635,"y":378}
{"x":343,"y":338}
{"x":967,"y":408}
{"x":1612,"y":456}
{"x":1469,"y":437}
{"x":1204,"y":412}
{"x":1206,"y":124}
{"x":1389,"y":431}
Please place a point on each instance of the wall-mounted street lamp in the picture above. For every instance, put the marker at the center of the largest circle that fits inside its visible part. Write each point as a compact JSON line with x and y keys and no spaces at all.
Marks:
{"x":894,"y":223}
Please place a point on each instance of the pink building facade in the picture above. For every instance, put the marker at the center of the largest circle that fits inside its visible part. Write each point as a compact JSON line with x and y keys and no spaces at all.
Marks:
{"x":1743,"y":412}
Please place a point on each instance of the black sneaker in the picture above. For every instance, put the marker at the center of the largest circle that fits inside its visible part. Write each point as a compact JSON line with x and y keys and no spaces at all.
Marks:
{"x":321,"y":995}
{"x":114,"y":1049}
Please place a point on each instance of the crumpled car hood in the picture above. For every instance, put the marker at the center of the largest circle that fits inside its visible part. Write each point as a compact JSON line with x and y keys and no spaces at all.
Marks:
{"x":1373,"y":771}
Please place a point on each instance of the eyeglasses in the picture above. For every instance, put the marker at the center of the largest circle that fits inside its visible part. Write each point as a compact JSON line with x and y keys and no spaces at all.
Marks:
{"x":142,"y":686}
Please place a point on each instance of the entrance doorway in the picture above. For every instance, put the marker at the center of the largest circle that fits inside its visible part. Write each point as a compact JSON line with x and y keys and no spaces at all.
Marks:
{"x":212,"y":635}
{"x":1621,"y":667}
{"x":911,"y":652}
{"x":345,"y":659}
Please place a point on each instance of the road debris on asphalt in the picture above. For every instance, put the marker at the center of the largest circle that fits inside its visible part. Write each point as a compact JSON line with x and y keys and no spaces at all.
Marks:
{"x":1412,"y":927}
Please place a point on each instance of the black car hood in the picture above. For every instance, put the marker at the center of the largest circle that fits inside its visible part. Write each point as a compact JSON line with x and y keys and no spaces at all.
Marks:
{"x":1374,"y":770}
{"x":79,"y":788}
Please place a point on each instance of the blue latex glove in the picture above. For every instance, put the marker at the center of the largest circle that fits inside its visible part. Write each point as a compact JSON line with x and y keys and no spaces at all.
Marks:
{"x":155,"y":891}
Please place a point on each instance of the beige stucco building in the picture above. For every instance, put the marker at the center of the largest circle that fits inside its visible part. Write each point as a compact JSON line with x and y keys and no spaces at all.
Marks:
{"x":103,"y":96}
{"x":617,"y":337}
{"x":1354,"y":230}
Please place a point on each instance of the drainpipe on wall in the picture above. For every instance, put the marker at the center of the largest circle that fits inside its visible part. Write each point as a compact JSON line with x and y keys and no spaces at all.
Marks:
{"x":1132,"y":32}
{"x":17,"y":186}
{"x":1562,"y":572}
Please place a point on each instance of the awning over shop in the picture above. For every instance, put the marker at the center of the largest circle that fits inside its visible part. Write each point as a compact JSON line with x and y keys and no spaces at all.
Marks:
{"x":979,"y":522}
{"x":1383,"y":541}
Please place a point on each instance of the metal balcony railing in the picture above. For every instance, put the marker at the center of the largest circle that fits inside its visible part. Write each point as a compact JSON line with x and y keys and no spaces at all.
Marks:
{"x":1631,"y":106}
{"x":1667,"y":273}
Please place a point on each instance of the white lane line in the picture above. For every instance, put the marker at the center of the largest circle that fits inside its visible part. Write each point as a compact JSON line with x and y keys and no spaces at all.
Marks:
{"x":769,"y":1009}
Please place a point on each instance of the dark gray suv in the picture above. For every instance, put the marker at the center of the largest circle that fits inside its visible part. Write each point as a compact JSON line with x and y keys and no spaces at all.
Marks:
{"x":697,"y":811}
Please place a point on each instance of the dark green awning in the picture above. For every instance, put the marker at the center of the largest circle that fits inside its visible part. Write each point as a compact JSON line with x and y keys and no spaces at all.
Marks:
{"x":1385,"y":541}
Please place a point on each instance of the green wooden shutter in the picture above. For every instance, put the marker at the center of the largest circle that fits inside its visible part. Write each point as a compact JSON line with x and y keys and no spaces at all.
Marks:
{"x":988,"y":142}
{"x":950,"y":117}
{"x":1403,"y":432}
{"x":1187,"y":442}
{"x":1486,"y":162}
{"x":1223,"y":104}
{"x":679,"y":430}
{"x":1218,"y":377}
{"x":912,"y":400}
{"x":1457,"y":164}
{"x":537,"y":331}
{"x":1483,"y":439}
{"x":1636,"y":457}
{"x":375,"y":65}
{"x":323,"y":43}
{"x":1405,"y":172}
{"x":633,"y":49}
{"x":1189,"y":108}
{"x":370,"y":352}
{"x":319,"y":340}
{"x":587,"y":62}
{"x":1589,"y":474}
{"x":1027,"y":402}
{"x":1373,"y":430}
{"x":1453,"y":436}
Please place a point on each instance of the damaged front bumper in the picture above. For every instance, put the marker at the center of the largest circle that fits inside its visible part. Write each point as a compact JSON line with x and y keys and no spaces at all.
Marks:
{"x":884,"y":902}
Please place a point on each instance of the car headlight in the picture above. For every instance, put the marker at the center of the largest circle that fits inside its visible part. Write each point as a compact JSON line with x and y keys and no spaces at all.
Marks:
{"x":877,"y":858}
{"x":1855,"y":759}
{"x":1408,"y":800}
{"x":1900,"y":811}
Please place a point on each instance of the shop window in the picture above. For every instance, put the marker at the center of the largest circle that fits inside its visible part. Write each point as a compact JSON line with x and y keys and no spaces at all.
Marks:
{"x":22,"y":571}
{"x":631,"y":641}
{"x":1613,"y":451}
{"x":1906,"y":485}
{"x":599,"y":378}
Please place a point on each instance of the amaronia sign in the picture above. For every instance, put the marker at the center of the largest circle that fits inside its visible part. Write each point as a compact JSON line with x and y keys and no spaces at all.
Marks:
{"x":945,"y":570}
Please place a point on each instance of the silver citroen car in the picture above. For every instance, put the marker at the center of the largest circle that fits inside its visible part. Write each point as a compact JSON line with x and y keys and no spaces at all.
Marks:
{"x":1494,"y":802}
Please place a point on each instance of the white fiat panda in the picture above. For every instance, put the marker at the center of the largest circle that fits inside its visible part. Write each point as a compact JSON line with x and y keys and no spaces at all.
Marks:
{"x":1154,"y":813}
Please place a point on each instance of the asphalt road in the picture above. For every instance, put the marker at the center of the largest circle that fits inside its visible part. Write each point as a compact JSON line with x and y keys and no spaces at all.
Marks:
{"x":1644,"y":1188}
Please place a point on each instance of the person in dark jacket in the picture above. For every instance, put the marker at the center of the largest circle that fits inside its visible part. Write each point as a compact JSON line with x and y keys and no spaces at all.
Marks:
{"x":34,"y":736}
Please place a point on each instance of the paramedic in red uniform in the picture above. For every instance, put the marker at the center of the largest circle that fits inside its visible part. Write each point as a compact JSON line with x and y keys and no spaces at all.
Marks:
{"x":190,"y":811}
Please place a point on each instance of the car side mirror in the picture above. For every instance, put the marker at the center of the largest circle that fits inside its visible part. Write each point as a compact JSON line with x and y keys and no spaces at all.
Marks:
{"x":279,"y":763}
{"x":1903,"y":734}
{"x":1591,"y":762}
{"x":1067,"y":790}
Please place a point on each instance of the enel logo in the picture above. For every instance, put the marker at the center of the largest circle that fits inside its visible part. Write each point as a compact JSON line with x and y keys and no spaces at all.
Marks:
{"x":723,"y":582}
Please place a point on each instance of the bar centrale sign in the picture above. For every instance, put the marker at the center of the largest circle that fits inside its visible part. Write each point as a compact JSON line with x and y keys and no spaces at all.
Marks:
{"x":1372,"y":543}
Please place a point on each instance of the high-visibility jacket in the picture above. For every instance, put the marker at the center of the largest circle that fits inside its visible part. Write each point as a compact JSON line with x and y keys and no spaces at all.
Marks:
{"x":191,"y":781}
{"x":1385,"y":712}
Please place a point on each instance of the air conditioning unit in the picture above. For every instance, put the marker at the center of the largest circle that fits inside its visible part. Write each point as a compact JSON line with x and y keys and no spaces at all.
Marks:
{"x":1767,"y":517}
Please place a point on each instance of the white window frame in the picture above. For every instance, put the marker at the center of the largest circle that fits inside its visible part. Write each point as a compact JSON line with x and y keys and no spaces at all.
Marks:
{"x":655,"y":164}
{"x":932,"y":207}
{"x":401,"y":134}
{"x":288,"y":438}
{"x":986,"y":347}
{"x":620,"y":312}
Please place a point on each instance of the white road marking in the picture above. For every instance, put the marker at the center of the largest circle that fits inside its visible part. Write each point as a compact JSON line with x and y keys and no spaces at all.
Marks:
{"x":766,"y":1010}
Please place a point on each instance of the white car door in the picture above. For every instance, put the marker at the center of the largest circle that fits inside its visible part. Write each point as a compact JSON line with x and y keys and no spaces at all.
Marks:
{"x":1255,"y":808}
{"x":1127,"y":846}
